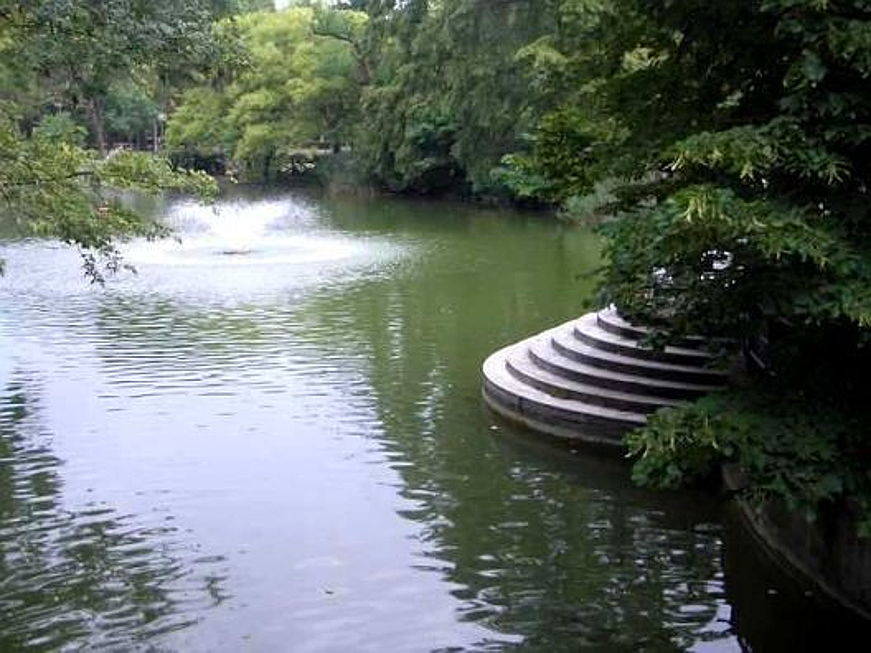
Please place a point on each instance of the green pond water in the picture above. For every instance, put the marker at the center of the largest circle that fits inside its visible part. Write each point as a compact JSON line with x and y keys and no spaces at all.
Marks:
{"x":271,"y":438}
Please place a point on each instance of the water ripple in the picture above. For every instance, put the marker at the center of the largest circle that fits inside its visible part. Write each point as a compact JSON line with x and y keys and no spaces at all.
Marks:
{"x":85,"y":574}
{"x":273,"y":434}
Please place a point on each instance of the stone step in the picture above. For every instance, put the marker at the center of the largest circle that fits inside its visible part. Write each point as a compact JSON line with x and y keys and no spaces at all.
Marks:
{"x":610,"y":320}
{"x":546,"y":357}
{"x":591,"y":437}
{"x":523,"y":367}
{"x":584,"y":381}
{"x":556,"y":415}
{"x":588,"y":331}
{"x":565,"y":342}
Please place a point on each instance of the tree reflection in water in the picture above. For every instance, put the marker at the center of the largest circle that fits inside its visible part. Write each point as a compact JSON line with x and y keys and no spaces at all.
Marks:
{"x":561,"y":555}
{"x":81,"y":576}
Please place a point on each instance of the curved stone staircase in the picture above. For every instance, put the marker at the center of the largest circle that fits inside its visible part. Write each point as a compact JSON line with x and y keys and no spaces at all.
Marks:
{"x":592,"y":380}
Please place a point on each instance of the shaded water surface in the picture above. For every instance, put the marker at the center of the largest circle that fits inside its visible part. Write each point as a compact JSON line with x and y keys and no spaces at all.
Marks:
{"x":272,"y":438}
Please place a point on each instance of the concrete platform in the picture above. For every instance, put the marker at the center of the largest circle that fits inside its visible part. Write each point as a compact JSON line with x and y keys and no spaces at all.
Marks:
{"x":593,"y":379}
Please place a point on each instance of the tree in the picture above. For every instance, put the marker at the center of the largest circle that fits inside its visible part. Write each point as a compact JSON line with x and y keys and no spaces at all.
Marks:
{"x":60,"y":59}
{"x":58,"y":189}
{"x":298,"y":91}
{"x":736,"y":139}
{"x":80,"y":50}
{"x":447,"y":98}
{"x":741,"y":155}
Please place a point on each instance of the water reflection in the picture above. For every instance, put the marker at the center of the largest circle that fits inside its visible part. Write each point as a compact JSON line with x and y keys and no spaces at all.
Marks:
{"x":766,"y":595}
{"x":564,"y":554}
{"x":83,"y":574}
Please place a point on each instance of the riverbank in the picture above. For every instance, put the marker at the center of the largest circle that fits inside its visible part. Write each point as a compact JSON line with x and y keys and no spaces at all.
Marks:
{"x":338,"y":174}
{"x":827,"y":552}
{"x":593,"y":381}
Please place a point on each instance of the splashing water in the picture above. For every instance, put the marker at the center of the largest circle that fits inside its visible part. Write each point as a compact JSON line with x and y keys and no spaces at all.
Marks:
{"x":244,"y":233}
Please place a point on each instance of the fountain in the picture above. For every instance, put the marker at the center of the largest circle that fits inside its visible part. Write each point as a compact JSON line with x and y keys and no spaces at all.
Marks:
{"x":267,"y":232}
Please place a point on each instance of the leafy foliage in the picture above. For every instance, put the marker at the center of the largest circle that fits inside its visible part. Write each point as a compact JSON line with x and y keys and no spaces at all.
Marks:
{"x":742,"y":155}
{"x":97,"y":62}
{"x":297,"y":91}
{"x":735,"y":139}
{"x":81,"y":56}
{"x":447,"y":97}
{"x":804,"y":455}
{"x":708,"y":260}
{"x":60,"y":190}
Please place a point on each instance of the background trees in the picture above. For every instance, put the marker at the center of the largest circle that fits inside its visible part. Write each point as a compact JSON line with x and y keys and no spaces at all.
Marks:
{"x":85,"y":54}
{"x":297,"y":91}
{"x":70,"y":72}
{"x":428,"y":96}
{"x":448,"y":97}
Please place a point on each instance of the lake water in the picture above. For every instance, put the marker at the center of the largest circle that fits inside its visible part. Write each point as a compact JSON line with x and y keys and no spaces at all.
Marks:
{"x":271,"y":438}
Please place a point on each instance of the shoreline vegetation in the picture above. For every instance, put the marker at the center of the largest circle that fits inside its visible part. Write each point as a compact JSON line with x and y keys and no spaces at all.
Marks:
{"x":722,"y":149}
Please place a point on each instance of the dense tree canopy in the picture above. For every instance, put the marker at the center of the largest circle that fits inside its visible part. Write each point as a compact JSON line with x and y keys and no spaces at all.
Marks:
{"x":96,"y":62}
{"x":298,"y":90}
{"x":78,"y":53}
{"x":448,"y":97}
{"x":429,"y":95}
{"x":741,"y":156}
{"x":733,"y":140}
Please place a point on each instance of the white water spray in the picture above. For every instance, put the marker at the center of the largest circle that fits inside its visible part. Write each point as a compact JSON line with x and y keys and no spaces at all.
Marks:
{"x":244,"y":233}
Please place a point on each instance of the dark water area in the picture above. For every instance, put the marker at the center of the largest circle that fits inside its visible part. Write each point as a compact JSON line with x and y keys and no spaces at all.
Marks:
{"x":271,"y":438}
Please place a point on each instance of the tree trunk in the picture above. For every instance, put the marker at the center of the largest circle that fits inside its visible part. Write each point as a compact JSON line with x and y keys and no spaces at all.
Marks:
{"x":267,"y":166}
{"x":364,"y":71}
{"x":95,"y":113}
